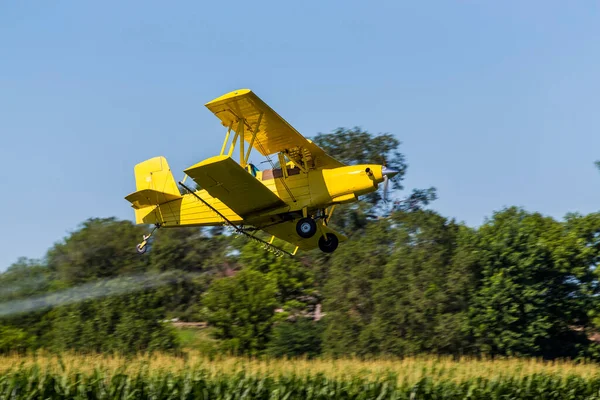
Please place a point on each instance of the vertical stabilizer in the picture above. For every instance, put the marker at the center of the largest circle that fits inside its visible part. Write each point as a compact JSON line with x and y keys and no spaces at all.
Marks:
{"x":155,"y":185}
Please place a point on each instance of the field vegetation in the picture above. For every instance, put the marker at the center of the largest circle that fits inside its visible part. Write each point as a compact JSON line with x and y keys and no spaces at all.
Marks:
{"x":197,"y":376}
{"x":409,"y":369}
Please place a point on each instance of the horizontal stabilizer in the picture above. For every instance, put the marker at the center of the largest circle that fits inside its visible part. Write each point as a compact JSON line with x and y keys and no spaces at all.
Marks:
{"x":150,"y":197}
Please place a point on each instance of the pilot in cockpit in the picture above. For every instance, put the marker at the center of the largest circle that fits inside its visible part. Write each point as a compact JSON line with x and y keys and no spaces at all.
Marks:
{"x":252,"y":169}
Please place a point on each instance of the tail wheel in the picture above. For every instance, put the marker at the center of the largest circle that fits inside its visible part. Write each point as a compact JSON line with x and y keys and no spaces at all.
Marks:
{"x":329,"y":245}
{"x":141,"y":248}
{"x":306,"y":228}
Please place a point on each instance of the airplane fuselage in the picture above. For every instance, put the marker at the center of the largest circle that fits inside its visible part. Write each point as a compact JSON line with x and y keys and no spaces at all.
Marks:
{"x":312,"y":190}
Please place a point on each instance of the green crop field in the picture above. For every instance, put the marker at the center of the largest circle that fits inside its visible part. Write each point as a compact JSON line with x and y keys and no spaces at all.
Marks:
{"x":196,"y":377}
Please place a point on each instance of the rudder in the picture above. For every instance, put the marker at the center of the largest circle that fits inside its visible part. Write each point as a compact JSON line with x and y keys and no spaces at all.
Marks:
{"x":155,"y":174}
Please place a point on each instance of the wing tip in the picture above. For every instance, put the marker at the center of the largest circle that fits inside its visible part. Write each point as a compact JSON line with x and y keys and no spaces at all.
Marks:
{"x":230,"y":95}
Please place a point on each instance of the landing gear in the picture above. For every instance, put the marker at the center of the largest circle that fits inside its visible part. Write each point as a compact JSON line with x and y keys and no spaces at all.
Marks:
{"x":306,"y":227}
{"x":329,"y":245}
{"x":141,"y":247}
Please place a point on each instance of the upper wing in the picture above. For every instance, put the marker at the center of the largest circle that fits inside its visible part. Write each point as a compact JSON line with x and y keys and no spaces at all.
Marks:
{"x":227,"y":181}
{"x":274,"y":133}
{"x":287,"y":231}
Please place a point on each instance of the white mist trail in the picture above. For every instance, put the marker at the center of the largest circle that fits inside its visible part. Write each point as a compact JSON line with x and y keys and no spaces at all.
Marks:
{"x":90,"y":291}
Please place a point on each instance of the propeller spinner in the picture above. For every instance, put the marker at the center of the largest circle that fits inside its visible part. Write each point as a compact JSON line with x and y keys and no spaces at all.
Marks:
{"x":387,"y":174}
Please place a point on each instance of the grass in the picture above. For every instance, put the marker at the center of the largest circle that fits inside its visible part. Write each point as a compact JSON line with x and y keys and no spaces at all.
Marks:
{"x":198,"y":339}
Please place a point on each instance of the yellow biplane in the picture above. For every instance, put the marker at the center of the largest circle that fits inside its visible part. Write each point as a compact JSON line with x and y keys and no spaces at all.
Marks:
{"x":293,"y":201}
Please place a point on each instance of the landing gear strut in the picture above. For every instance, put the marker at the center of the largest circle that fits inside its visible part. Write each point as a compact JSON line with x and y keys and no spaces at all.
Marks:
{"x":141,"y":247}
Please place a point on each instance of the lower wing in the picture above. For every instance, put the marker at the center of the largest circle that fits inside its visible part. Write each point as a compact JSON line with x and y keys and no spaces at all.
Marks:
{"x":227,"y":181}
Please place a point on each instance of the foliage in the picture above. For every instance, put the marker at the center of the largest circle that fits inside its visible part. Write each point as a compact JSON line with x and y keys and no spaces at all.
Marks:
{"x":123,"y":324}
{"x":407,"y":281}
{"x":14,"y":339}
{"x":350,"y":290}
{"x":532,"y":288}
{"x":190,"y":250}
{"x":521,"y":284}
{"x":294,"y":281}
{"x":242,"y":309}
{"x":402,"y":288}
{"x":301,"y":337}
{"x":417,"y":200}
{"x":100,"y":249}
{"x":422,"y":297}
{"x":25,"y":278}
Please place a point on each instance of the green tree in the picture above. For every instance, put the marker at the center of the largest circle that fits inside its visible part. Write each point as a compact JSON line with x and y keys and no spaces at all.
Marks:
{"x":294,"y":280}
{"x":421,"y":302}
{"x":84,"y":265}
{"x":241,"y":308}
{"x":15,"y":339}
{"x":190,"y":250}
{"x":355,"y":270}
{"x":532,"y":289}
{"x":124,"y":324}
{"x":194,"y":257}
{"x":584,"y":256}
{"x":301,"y":337}
{"x":101,"y":248}
{"x":25,"y":278}
{"x":22,"y":280}
{"x":401,"y":288}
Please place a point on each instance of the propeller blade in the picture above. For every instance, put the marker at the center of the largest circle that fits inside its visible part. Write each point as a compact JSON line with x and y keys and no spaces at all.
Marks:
{"x":386,"y":182}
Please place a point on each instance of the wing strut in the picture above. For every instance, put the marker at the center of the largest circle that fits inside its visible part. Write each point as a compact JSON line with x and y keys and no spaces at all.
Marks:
{"x":226,"y":139}
{"x":254,"y":132}
{"x":236,"y":228}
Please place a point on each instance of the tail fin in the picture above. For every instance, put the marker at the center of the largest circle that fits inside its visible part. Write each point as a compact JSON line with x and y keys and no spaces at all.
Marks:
{"x":154,"y":183}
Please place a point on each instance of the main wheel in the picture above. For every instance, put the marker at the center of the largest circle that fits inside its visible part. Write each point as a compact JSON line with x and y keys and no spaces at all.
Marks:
{"x":306,"y":228}
{"x":329,"y":245}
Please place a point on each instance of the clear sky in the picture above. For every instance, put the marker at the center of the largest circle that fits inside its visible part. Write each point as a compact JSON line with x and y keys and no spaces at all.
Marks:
{"x":497,"y":103}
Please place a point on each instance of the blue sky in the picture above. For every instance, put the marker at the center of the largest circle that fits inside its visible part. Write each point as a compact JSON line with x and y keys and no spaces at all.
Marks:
{"x":496,"y":103}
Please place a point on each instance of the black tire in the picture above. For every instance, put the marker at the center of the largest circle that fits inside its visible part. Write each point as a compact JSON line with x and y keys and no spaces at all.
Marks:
{"x":329,"y":245}
{"x":306,"y":228}
{"x":141,"y":249}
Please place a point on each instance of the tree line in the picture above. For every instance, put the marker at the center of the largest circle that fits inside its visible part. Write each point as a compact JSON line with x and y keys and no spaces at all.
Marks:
{"x":408,"y":281}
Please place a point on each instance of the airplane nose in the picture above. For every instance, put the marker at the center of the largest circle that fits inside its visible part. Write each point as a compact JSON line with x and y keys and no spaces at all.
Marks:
{"x":390,"y":173}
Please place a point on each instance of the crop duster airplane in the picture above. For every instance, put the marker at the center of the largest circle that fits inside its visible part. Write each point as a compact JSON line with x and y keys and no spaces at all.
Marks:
{"x":293,"y":202}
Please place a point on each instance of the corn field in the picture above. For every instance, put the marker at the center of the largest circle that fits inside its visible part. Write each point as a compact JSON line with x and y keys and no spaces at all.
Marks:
{"x":195,"y":377}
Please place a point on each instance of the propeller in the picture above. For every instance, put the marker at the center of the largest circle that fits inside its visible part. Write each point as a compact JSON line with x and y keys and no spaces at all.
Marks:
{"x":387,"y":174}
{"x":386,"y":184}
